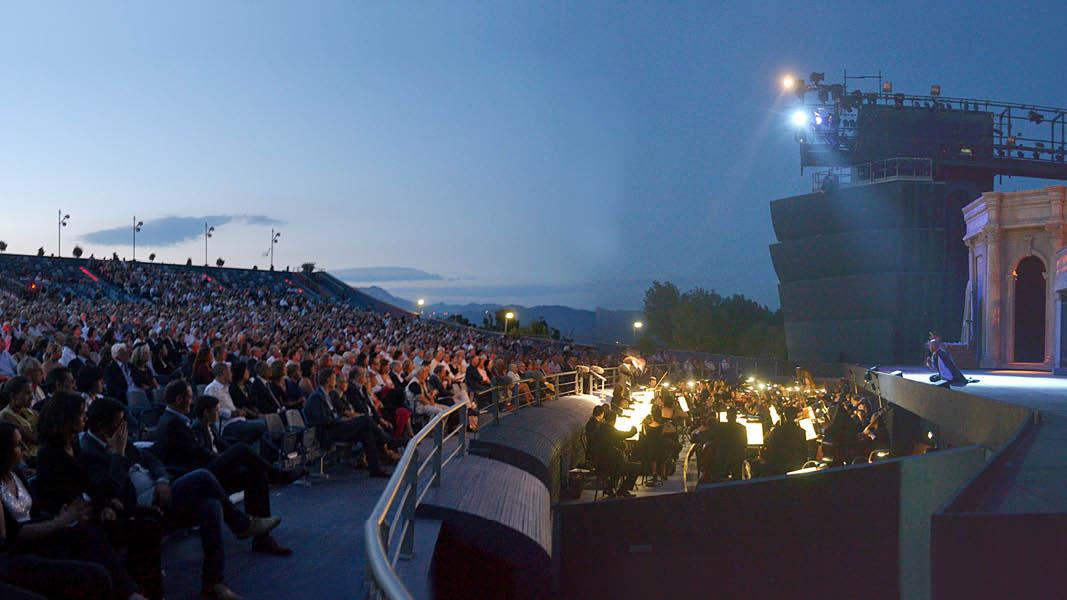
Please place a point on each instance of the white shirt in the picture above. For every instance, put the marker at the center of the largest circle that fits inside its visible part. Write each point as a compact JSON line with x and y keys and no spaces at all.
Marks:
{"x":221,"y":392}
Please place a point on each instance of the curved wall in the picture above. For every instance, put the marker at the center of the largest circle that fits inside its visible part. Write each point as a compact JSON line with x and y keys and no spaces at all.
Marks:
{"x":867,"y":271}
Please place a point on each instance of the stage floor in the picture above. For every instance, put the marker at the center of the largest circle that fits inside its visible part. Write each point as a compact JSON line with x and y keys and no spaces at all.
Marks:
{"x":1034,"y":389}
{"x":1036,"y":481}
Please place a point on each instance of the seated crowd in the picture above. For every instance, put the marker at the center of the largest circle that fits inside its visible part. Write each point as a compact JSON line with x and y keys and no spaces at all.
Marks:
{"x":91,"y":483}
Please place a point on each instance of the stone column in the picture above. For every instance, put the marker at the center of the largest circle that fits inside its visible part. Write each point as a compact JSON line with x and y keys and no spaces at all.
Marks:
{"x":1055,"y":227}
{"x":993,"y":324}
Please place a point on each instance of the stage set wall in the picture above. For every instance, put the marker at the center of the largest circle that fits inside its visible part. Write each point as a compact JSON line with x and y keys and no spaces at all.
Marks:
{"x":1003,"y":228}
{"x":866,"y":271}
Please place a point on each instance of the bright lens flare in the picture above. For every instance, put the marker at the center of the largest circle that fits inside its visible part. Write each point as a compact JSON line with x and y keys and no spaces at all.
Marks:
{"x":799,"y":118}
{"x":788,"y":82}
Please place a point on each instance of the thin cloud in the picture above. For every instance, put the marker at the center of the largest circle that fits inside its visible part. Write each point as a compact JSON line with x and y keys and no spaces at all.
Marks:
{"x":171,"y":231}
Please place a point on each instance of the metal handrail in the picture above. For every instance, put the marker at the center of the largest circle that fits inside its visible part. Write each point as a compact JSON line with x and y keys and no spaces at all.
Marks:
{"x":685,"y":469}
{"x":573,"y":380}
{"x":382,"y":580}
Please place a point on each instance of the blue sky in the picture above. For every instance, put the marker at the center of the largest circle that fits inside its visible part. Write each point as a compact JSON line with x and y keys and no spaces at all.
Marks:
{"x":516,"y":148}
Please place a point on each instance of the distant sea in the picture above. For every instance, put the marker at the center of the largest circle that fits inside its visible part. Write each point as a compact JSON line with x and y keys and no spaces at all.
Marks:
{"x":583,"y":296}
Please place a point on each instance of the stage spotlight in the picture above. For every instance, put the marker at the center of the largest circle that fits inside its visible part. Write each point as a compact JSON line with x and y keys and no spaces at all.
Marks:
{"x":818,"y":119}
{"x":799,"y":118}
{"x":788,"y":82}
{"x":1036,"y":117}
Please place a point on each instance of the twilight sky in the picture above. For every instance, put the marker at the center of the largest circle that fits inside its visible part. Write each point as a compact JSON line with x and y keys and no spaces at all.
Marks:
{"x":536,"y":153}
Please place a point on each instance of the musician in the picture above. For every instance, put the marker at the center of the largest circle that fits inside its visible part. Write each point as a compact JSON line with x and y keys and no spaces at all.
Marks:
{"x":607,"y":449}
{"x":730,"y":454}
{"x":785,"y":448}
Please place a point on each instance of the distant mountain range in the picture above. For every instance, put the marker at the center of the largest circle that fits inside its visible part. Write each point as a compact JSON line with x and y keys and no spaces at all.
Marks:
{"x":600,"y":326}
{"x":368,"y":274}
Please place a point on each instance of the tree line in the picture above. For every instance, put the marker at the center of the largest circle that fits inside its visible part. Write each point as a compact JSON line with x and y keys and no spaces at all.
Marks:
{"x":700,"y":320}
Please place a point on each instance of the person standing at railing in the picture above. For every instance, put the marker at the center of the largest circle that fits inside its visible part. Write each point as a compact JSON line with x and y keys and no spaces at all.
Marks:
{"x":477,"y":382}
{"x":457,"y":374}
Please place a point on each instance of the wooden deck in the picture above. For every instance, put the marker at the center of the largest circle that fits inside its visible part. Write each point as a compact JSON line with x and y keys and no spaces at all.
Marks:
{"x":544,"y":441}
{"x":496,"y":493}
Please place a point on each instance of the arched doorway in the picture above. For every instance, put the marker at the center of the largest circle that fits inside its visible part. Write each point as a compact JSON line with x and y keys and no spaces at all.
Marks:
{"x":1030,"y":310}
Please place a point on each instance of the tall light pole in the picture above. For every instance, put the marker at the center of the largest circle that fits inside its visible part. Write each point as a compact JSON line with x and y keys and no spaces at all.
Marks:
{"x":62,"y":220}
{"x":136,"y":227}
{"x":420,"y":302}
{"x":637,"y":325}
{"x":207,"y":234}
{"x":274,"y":235}
{"x":508,"y":316}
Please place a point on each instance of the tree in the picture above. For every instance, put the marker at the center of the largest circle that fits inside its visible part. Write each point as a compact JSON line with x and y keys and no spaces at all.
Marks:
{"x":152,"y":257}
{"x":40,"y":251}
{"x":660,"y":302}
{"x":495,"y":321}
{"x":459,"y":320}
{"x":77,"y":252}
{"x":3,"y":246}
{"x":219,"y":262}
{"x":308,"y":268}
{"x":703,"y":321}
{"x":188,"y":262}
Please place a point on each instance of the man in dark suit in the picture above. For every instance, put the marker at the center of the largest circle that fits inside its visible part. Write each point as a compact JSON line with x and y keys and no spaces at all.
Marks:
{"x":117,"y":376}
{"x":323,"y":416}
{"x":260,"y":393}
{"x":237,"y":467}
{"x":126,"y":477}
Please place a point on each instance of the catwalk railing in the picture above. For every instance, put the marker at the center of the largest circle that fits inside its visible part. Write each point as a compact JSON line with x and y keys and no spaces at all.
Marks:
{"x":389,"y":533}
{"x":508,"y":395}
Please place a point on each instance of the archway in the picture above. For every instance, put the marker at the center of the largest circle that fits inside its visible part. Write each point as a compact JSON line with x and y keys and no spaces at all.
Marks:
{"x":1030,"y":310}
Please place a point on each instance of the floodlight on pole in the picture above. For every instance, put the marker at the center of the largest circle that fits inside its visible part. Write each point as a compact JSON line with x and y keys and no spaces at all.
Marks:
{"x":789,"y":82}
{"x":420,"y":302}
{"x":59,"y":232}
{"x":637,"y":325}
{"x":274,"y":236}
{"x":136,"y":227}
{"x":508,"y":316}
{"x":207,"y":234}
{"x":799,"y":118}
